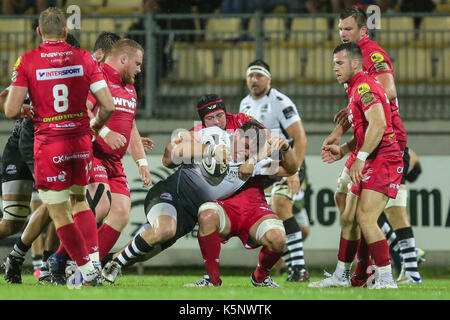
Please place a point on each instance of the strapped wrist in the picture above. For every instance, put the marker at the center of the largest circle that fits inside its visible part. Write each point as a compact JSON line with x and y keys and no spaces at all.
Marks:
{"x":104,"y":131}
{"x":142,"y":162}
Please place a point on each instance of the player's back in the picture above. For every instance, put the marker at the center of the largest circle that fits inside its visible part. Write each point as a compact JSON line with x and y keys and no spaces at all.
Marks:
{"x":58,"y":77}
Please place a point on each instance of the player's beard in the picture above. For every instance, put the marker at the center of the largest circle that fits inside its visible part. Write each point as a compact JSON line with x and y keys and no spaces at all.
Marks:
{"x":260,"y":93}
{"x":127,"y":77}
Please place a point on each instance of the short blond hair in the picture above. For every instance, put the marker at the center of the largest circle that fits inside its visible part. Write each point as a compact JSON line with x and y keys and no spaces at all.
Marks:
{"x":127,"y":46}
{"x":52,"y":21}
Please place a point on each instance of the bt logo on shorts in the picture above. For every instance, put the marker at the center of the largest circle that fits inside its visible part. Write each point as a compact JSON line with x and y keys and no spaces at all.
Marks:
{"x":61,"y":177}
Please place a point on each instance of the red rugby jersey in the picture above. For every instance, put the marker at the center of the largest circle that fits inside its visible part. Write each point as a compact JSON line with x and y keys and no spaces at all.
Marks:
{"x":234,"y":122}
{"x":363,"y":92}
{"x":58,"y":77}
{"x":375,"y":62}
{"x":125,"y":101}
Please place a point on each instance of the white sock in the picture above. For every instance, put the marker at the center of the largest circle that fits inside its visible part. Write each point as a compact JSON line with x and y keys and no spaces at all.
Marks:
{"x":343,"y":269}
{"x":86,"y":269}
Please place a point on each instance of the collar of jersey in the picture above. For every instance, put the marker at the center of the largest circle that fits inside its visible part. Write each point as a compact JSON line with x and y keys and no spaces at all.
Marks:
{"x":363,"y":41}
{"x":49,"y":42}
{"x":355,"y":79}
{"x":112,"y":74}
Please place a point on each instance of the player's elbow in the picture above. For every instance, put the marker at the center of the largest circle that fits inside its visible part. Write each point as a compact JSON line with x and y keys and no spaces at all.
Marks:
{"x":11,"y":111}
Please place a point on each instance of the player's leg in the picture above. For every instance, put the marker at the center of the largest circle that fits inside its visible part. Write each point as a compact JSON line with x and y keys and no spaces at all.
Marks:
{"x":369,"y":208}
{"x":213,"y":224}
{"x":282,"y":203}
{"x":16,"y":195}
{"x":112,"y":226}
{"x":84,"y":218}
{"x":398,"y":217}
{"x":60,"y":210}
{"x":269,"y":232}
{"x":99,"y":199}
{"x":16,"y":206}
{"x":348,"y":246}
{"x":392,"y":240}
{"x":37,"y":247}
{"x":159,"y":234}
{"x":340,"y":194}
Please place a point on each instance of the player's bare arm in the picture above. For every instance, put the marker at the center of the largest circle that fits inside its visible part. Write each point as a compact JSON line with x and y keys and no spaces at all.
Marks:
{"x":388,"y":83}
{"x":167,"y":159}
{"x":189,"y":150}
{"x":341,"y":128}
{"x":3,"y":96}
{"x":297,"y":132}
{"x":105,"y":110}
{"x":14,"y":102}
{"x":105,"y":107}
{"x":374,"y":133}
{"x":333,"y":152}
{"x":137,"y":151}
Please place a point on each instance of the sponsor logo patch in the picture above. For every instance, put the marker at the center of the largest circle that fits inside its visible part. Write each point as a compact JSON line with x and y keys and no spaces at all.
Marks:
{"x":59,"y":73}
{"x":166,"y":196}
{"x":289,"y":112}
{"x":363,"y":88}
{"x":376,"y":57}
{"x":368,"y":98}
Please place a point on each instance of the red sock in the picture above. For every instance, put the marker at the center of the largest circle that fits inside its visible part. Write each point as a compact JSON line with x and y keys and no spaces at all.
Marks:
{"x":85,"y":220}
{"x":380,"y":253}
{"x":267,"y":259}
{"x":72,"y":239}
{"x":62,"y":251}
{"x":347,"y":250}
{"x":107,"y":238}
{"x":364,"y":260}
{"x":210,"y":248}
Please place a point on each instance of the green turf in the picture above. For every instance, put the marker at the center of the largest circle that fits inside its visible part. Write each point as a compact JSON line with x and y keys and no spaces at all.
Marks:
{"x":163,"y":285}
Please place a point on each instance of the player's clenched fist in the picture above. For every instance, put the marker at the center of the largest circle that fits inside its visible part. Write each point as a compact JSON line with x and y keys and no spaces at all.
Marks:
{"x":114,"y":140}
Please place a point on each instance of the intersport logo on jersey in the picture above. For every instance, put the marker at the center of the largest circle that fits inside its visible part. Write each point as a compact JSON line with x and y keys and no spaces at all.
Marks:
{"x":59,"y":73}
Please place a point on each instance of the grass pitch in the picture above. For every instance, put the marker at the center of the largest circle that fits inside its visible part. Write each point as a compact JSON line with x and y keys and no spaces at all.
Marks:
{"x":163,"y":284}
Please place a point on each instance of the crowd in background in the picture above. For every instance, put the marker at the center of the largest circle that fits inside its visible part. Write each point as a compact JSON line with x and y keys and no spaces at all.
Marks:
{"x":238,"y":6}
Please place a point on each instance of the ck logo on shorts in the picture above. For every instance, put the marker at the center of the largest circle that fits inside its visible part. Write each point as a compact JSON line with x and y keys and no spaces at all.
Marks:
{"x":365,"y":179}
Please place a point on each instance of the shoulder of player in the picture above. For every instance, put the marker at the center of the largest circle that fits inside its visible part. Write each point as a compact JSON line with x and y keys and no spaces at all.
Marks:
{"x":246,"y":99}
{"x":279,"y":98}
{"x":367,"y":89}
{"x":373,"y":52}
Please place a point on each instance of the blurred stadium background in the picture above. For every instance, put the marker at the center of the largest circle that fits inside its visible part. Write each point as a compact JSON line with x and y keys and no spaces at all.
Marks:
{"x":194,"y":47}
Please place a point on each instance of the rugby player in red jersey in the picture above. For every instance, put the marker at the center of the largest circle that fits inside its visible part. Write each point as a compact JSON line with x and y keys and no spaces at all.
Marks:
{"x":58,"y":78}
{"x":120,"y":68}
{"x":376,"y":62}
{"x":375,"y":173}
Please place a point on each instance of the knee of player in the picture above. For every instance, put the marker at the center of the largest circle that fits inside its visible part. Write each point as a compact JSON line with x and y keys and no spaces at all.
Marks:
{"x":346,"y":220}
{"x":164,"y":233}
{"x":10,"y":227}
{"x":271,"y":233}
{"x":208,"y":217}
{"x":339,"y":200}
{"x":276,"y":240}
{"x":15,"y":211}
{"x":362,"y":217}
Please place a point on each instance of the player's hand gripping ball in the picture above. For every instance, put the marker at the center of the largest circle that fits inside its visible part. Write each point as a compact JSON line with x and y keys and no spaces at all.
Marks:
{"x":216,"y":159}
